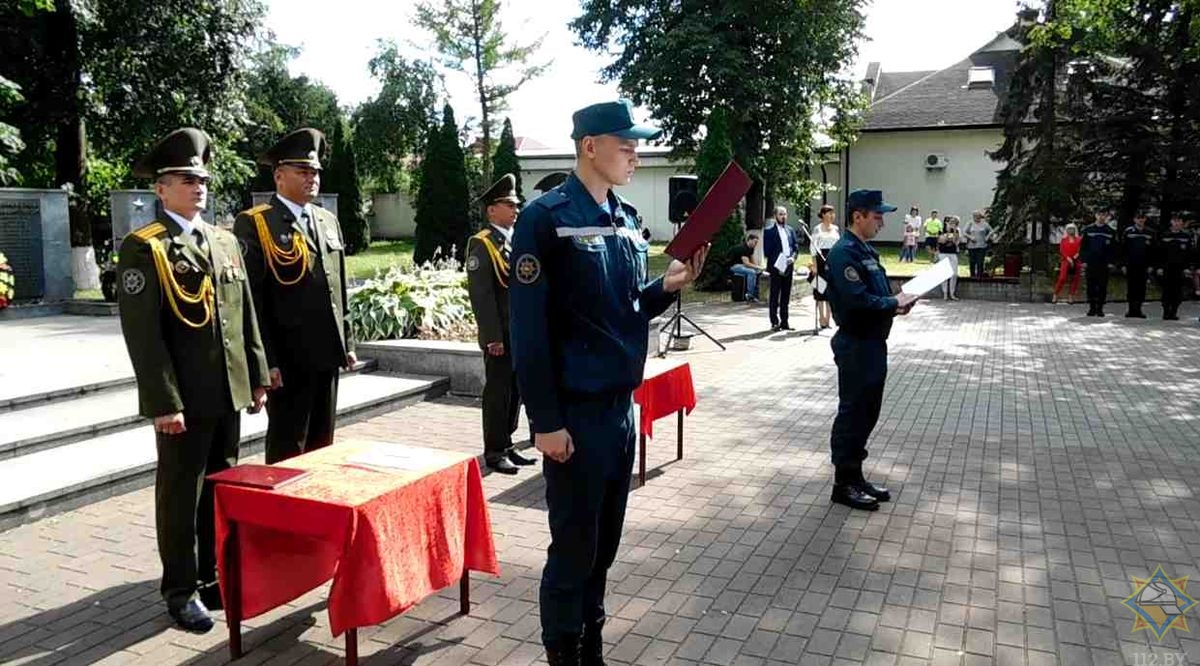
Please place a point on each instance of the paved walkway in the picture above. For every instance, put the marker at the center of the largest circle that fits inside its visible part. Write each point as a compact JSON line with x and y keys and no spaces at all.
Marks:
{"x":1039,"y":460}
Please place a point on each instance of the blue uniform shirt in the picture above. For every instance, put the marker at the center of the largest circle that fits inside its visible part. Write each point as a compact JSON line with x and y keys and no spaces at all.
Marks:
{"x":580,"y":300}
{"x":1139,"y":245}
{"x":858,"y":292}
{"x":1096,"y":247}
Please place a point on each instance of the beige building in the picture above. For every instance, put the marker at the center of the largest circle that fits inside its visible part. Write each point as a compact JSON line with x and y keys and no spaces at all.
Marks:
{"x":927,"y":135}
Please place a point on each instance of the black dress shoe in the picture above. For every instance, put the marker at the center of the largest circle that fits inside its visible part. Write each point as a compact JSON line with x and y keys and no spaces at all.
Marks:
{"x":785,"y":327}
{"x":519,"y":460}
{"x":502,"y":465}
{"x":851,"y":496}
{"x":210,"y":596}
{"x":192,"y":616}
{"x":1135,"y":315}
{"x":878,"y":492}
{"x":774,"y":327}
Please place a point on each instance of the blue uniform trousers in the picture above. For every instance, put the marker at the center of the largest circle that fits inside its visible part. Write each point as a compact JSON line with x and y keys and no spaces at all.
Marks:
{"x":862,"y":373}
{"x":585,"y":498}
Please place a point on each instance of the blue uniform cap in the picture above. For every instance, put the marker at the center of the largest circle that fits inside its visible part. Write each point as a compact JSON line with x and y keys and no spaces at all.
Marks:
{"x":615,"y":118}
{"x":869,"y":200}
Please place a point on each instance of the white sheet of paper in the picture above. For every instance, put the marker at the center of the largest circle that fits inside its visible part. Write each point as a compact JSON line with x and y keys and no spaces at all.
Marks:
{"x":781,"y":262}
{"x":929,"y":279}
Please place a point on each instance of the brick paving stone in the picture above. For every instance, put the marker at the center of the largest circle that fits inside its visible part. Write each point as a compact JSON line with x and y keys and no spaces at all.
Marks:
{"x":1019,"y":516}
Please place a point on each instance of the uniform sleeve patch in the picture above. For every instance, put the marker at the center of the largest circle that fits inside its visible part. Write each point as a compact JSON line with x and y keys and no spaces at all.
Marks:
{"x":133,"y":281}
{"x":529,"y":269}
{"x":472,"y":263}
{"x":852,"y":274}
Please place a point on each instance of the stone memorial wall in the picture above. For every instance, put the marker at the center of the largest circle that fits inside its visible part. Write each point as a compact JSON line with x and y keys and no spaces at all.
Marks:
{"x":35,"y":235}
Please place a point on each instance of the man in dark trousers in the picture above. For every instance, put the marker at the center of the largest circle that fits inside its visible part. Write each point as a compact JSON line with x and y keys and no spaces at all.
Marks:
{"x":863,"y":306}
{"x":779,"y":240}
{"x":488,"y":274}
{"x":581,"y":309}
{"x":1177,"y":254}
{"x":188,"y":320}
{"x":1139,"y":252}
{"x":1096,"y":252}
{"x":297,"y":266}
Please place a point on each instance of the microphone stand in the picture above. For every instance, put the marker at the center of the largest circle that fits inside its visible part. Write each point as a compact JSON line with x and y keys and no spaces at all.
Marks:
{"x":812,"y":245}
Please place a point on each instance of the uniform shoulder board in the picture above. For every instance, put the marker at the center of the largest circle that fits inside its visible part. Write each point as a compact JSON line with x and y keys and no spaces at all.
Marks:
{"x":148,"y":231}
{"x":551,"y":200}
{"x":261,"y":208}
{"x":484,"y":234}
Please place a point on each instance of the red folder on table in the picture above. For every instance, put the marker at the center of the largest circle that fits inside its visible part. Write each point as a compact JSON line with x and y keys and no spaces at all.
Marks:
{"x":716,"y":206}
{"x":267,"y":477}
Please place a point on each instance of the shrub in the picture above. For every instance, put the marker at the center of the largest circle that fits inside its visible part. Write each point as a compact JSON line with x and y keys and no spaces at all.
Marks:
{"x":428,"y":302}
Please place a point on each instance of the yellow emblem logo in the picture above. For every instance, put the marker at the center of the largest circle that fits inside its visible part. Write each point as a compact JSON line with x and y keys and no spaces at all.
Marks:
{"x":1159,"y":602}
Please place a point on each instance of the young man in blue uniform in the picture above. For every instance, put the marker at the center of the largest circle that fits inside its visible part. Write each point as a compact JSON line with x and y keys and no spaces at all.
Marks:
{"x":863,"y":306}
{"x":581,"y":303}
{"x":1096,"y":252}
{"x":1139,"y":251}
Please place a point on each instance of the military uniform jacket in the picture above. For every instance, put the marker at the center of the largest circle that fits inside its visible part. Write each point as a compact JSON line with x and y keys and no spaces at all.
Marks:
{"x":301,"y":308}
{"x":859,"y":293}
{"x":1097,"y":244}
{"x":581,"y":300}
{"x":488,"y":256}
{"x":1177,"y":250}
{"x":184,"y":359}
{"x":1139,"y":245}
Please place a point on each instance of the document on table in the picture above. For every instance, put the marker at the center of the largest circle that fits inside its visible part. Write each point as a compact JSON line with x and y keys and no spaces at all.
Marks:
{"x":781,"y":262}
{"x":392,"y":457}
{"x":929,"y":279}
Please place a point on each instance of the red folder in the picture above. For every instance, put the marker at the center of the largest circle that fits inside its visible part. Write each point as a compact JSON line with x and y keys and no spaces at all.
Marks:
{"x":716,"y":206}
{"x":267,"y":477}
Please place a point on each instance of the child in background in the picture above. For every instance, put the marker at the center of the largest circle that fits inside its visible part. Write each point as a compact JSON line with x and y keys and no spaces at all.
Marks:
{"x":908,"y":251}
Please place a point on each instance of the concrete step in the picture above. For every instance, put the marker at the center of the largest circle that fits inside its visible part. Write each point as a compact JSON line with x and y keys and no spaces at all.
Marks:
{"x":62,"y":418}
{"x":41,"y":483}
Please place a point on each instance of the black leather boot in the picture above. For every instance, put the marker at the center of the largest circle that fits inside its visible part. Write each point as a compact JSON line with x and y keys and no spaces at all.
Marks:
{"x":563,"y":652}
{"x":591,"y":646}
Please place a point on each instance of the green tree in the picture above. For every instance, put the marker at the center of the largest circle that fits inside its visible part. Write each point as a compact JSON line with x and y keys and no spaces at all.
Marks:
{"x":341,"y":177}
{"x":443,"y":215}
{"x":393,"y":127}
{"x":111,"y":76}
{"x":775,"y":65}
{"x":711,"y":159}
{"x":471,"y":40}
{"x":277,"y":103}
{"x":505,"y":160}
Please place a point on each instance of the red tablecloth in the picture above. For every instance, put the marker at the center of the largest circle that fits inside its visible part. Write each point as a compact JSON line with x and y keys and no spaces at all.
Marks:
{"x":387,"y":537}
{"x":666,"y":388}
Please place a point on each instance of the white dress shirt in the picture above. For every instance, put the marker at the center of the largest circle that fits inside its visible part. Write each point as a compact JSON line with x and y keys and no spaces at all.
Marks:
{"x":186,"y":224}
{"x":299,"y":212}
{"x":784,"y":242}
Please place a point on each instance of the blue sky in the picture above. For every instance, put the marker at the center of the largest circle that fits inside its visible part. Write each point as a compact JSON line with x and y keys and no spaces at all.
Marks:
{"x":337,"y":42}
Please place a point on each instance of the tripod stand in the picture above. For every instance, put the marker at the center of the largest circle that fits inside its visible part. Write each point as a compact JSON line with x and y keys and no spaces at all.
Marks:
{"x":675,"y":323}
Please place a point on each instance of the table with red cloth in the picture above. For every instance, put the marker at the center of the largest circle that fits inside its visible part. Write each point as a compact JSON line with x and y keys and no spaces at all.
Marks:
{"x":666,"y":389}
{"x":387,"y":536}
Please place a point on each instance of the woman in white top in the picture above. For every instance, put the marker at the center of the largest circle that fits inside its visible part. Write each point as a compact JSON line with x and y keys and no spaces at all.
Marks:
{"x":824,"y":237}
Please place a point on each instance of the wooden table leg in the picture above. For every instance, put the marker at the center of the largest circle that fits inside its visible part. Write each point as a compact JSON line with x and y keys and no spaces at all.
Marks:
{"x":352,"y":647}
{"x":641,"y":460}
{"x":679,"y":438}
{"x":233,"y":591}
{"x":464,"y":593}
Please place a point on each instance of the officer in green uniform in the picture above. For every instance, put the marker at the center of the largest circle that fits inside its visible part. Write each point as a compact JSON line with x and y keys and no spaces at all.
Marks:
{"x":189,"y":324}
{"x":488,"y":255}
{"x":297,"y":265}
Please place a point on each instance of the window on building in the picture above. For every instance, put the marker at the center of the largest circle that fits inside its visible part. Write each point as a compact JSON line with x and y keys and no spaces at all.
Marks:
{"x":981,"y":77}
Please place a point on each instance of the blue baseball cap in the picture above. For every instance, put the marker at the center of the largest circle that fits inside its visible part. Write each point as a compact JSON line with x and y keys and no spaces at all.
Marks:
{"x":615,"y":118}
{"x":869,"y":200}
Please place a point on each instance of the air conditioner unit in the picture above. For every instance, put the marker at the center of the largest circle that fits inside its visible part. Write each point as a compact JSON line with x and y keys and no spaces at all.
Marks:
{"x":936,"y":161}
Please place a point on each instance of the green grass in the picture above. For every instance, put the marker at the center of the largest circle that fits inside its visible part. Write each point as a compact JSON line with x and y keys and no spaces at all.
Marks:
{"x":381,"y":256}
{"x":88,"y":295}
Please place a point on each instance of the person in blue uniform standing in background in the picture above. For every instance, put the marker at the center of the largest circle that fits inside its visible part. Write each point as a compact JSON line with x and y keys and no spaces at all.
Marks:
{"x":581,"y":303}
{"x":863,"y":306}
{"x":1096,"y":253}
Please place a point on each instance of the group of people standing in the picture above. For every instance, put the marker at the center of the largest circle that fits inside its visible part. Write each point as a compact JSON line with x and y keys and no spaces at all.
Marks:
{"x":214,"y":320}
{"x":1146,"y":253}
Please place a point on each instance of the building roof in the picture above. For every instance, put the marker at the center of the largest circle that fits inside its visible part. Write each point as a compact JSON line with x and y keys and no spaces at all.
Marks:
{"x":941,"y":99}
